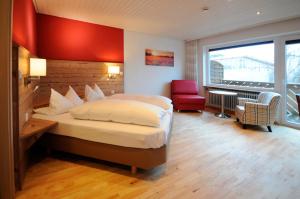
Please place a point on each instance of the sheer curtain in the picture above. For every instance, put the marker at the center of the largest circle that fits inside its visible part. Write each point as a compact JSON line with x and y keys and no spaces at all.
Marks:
{"x":191,"y":60}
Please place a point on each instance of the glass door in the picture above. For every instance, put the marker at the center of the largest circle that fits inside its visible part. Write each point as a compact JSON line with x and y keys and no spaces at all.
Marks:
{"x":292,"y":63}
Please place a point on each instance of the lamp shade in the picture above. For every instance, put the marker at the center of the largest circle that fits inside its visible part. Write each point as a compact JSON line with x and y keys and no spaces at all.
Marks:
{"x":113,"y":69}
{"x":38,"y":67}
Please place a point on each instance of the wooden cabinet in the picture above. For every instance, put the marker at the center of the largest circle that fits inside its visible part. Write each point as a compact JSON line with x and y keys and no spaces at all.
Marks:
{"x":31,"y":132}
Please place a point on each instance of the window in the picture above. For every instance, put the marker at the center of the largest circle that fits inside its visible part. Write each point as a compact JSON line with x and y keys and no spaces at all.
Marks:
{"x":293,"y":61}
{"x":249,"y":65}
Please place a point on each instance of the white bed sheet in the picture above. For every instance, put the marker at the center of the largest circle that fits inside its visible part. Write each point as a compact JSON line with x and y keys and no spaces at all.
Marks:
{"x":127,"y":135}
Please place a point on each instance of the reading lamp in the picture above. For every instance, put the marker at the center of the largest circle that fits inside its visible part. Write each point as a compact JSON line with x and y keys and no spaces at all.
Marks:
{"x":38,"y":68}
{"x":113,"y":71}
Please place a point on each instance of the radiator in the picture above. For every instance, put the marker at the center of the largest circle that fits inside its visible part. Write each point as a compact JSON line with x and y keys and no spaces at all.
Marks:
{"x":230,"y":101}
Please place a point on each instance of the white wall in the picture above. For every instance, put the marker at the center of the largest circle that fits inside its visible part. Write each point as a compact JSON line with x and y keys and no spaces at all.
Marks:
{"x":274,"y":30}
{"x":154,"y":80}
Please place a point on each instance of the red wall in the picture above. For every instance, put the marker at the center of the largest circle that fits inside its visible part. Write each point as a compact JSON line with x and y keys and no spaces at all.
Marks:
{"x":24,"y":25}
{"x":66,"y":39}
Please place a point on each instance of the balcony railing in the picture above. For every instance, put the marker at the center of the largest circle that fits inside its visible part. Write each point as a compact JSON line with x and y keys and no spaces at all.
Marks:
{"x":248,"y":84}
{"x":292,"y":105}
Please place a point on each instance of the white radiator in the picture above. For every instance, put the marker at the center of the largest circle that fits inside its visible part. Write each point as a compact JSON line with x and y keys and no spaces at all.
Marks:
{"x":230,"y":101}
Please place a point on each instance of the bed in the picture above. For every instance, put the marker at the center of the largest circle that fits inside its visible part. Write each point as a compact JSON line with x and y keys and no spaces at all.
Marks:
{"x":138,"y":146}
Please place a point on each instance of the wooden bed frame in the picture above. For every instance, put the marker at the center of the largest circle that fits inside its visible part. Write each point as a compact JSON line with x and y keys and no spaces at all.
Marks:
{"x":134,"y":157}
{"x":61,"y":74}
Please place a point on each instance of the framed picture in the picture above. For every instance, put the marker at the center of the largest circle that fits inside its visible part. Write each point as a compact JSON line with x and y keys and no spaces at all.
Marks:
{"x":159,"y":58}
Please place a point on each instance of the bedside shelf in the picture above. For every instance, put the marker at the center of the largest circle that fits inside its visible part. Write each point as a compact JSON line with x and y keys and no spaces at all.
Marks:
{"x":36,"y":126}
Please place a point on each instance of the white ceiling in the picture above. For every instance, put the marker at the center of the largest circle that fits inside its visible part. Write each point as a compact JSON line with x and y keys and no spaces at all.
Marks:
{"x":182,"y":19}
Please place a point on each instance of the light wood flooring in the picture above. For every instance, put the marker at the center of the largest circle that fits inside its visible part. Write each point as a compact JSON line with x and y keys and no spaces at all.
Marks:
{"x":208,"y":158}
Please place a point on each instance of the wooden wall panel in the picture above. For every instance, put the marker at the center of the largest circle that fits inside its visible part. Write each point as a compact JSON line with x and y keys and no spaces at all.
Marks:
{"x":22,"y":104}
{"x":25,"y":92}
{"x":62,"y":73}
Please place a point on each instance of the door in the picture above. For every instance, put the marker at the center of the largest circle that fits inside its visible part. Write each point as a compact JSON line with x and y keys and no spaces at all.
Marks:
{"x":6,"y":138}
{"x":292,"y":81}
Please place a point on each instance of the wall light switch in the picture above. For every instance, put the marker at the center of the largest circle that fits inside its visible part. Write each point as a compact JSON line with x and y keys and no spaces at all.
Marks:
{"x":26,"y":117}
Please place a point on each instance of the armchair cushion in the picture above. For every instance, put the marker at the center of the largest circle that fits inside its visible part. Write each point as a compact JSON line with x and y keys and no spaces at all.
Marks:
{"x":240,"y":113}
{"x":242,"y":101}
{"x":188,"y":99}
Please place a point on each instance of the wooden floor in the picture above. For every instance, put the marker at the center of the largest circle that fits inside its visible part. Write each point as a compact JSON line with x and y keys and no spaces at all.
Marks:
{"x":208,"y":158}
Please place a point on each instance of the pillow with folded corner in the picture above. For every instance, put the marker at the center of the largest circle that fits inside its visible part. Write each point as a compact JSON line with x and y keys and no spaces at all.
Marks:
{"x":73,"y":97}
{"x":99,"y":91}
{"x":90,"y":94}
{"x":58,"y":104}
{"x":93,"y":94}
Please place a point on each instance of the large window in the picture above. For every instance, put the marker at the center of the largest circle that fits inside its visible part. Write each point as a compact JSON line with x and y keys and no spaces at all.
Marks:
{"x":249,"y":65}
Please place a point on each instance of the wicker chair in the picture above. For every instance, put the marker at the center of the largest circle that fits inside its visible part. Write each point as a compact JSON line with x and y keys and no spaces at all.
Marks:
{"x":262,"y":111}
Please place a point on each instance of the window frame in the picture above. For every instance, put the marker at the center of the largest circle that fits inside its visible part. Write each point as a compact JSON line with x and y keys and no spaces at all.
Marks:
{"x":241,"y":43}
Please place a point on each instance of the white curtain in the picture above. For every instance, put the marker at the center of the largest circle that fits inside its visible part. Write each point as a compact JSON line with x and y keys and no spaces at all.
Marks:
{"x":191,"y":60}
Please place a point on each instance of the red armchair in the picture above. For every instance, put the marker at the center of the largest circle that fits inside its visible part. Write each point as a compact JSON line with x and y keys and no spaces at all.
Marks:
{"x":184,"y":94}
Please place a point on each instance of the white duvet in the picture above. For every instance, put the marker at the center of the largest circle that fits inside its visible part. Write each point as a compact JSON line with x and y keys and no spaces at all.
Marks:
{"x":156,"y":100}
{"x":120,"y":110}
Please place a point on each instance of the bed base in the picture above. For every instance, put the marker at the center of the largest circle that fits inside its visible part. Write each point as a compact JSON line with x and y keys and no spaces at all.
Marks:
{"x":134,"y":157}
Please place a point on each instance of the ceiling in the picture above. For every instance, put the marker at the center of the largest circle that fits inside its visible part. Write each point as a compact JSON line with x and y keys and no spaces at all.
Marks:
{"x":181,"y":19}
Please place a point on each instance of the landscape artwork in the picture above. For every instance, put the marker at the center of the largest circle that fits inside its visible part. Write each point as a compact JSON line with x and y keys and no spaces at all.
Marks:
{"x":159,"y":58}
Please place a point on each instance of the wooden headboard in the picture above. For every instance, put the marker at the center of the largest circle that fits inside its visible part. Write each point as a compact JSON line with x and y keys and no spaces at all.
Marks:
{"x":62,"y":73}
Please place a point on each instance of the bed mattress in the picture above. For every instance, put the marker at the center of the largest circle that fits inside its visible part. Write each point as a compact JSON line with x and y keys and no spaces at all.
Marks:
{"x":127,"y":135}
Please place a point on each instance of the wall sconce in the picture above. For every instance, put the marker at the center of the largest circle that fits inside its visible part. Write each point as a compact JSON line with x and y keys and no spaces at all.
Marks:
{"x":38,"y":68}
{"x":113,"y":71}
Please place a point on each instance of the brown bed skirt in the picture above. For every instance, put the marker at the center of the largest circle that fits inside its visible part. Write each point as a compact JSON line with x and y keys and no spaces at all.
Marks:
{"x":134,"y":157}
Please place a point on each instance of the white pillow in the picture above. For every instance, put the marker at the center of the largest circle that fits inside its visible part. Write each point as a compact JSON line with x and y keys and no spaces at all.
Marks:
{"x":90,"y":94}
{"x":73,"y":97}
{"x":44,"y":111}
{"x":58,"y":103}
{"x":122,"y":111}
{"x":99,"y":91}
